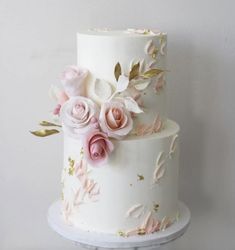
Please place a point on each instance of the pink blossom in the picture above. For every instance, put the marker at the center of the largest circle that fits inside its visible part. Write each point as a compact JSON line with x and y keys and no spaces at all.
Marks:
{"x":73,"y":80}
{"x":78,"y":115}
{"x":97,"y":147}
{"x":115,"y":119}
{"x":56,"y":110}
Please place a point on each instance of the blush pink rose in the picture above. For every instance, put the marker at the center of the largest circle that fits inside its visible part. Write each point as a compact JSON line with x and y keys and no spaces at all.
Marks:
{"x":97,"y":147}
{"x":73,"y":80}
{"x":78,"y":115}
{"x":115,"y":119}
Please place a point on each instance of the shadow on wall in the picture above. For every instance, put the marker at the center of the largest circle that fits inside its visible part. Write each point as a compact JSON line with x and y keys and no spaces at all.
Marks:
{"x":193,"y":97}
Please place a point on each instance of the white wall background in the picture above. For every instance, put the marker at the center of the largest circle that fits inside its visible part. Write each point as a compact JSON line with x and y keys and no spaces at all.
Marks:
{"x":38,"y":38}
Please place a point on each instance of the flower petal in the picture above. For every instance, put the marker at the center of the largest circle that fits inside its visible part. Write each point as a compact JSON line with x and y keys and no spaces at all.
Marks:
{"x":132,"y":105}
{"x":122,"y":83}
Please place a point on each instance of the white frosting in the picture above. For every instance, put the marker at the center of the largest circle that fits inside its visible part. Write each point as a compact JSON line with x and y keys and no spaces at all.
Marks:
{"x":124,"y":182}
{"x":100,"y":50}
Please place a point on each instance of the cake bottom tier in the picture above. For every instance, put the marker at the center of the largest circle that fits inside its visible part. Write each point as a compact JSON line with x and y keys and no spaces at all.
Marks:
{"x":135,"y":193}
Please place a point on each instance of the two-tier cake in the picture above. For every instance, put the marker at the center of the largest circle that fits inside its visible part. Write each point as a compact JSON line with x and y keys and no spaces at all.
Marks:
{"x":121,"y":153}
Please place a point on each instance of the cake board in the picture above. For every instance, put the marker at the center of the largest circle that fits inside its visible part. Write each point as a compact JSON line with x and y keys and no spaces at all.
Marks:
{"x":99,"y":241}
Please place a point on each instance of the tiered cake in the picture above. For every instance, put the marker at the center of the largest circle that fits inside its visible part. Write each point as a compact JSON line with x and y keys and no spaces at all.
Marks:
{"x":121,"y":153}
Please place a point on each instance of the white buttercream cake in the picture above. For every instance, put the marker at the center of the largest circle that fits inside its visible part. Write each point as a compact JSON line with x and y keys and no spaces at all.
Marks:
{"x":122,"y":179}
{"x":121,"y":153}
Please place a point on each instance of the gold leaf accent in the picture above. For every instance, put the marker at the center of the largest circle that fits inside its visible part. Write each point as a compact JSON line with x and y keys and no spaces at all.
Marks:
{"x":48,"y":124}
{"x":121,"y":233}
{"x":117,"y":71}
{"x":140,"y":177}
{"x":152,"y":73}
{"x":45,"y":132}
{"x":134,"y":71}
{"x":71,"y":169}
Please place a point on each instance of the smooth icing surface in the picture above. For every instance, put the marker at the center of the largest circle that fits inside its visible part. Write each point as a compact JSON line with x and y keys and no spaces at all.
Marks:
{"x":129,"y":194}
{"x":100,"y":50}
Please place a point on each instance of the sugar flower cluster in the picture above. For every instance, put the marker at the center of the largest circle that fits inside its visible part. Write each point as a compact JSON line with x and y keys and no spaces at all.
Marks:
{"x":94,"y":123}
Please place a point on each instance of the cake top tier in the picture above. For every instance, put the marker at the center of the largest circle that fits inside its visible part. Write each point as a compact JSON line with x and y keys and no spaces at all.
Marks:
{"x":121,"y":33}
{"x":128,"y":64}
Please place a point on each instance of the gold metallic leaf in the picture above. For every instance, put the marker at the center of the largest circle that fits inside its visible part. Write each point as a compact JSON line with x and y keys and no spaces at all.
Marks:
{"x":49,"y":124}
{"x":45,"y":132}
{"x":134,"y":71}
{"x":121,"y":233}
{"x":152,"y":73}
{"x":117,"y":71}
{"x":140,"y":177}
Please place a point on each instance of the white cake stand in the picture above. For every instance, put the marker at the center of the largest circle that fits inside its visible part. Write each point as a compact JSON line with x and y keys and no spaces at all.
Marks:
{"x":98,"y":241}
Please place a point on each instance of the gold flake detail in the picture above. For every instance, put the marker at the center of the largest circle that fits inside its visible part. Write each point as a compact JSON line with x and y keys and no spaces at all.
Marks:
{"x":155,"y":207}
{"x":141,"y":231}
{"x":121,"y":233}
{"x":71,"y":166}
{"x":140,"y":177}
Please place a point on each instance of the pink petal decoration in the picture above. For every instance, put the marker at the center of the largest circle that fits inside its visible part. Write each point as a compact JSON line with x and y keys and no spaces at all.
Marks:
{"x":149,"y":225}
{"x":148,"y":129}
{"x":160,"y":83}
{"x":89,"y":188}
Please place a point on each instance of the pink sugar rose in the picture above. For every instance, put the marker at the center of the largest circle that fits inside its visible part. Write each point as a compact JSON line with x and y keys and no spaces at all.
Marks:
{"x":78,"y":115}
{"x":115,"y":119}
{"x":97,"y":147}
{"x":73,"y":80}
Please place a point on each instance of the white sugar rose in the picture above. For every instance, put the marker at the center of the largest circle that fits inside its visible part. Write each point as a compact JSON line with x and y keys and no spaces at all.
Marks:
{"x":73,"y":80}
{"x":78,"y":115}
{"x":115,"y":119}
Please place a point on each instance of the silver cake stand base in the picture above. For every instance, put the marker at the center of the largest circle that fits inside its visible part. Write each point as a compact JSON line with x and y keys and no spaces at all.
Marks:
{"x":98,"y":241}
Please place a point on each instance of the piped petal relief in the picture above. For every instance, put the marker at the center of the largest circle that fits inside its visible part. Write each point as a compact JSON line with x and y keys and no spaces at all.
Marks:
{"x":135,"y":211}
{"x":149,"y":47}
{"x":160,"y":167}
{"x":173,"y":146}
{"x":160,"y":82}
{"x":162,"y":43}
